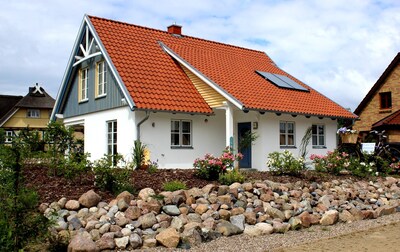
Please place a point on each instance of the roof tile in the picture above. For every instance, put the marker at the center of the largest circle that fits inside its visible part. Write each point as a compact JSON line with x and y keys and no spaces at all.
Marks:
{"x":155,"y":81}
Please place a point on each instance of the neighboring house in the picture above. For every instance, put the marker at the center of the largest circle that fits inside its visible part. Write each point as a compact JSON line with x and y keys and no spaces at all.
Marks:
{"x":380,"y":109}
{"x":25,"y":112}
{"x":184,"y":97}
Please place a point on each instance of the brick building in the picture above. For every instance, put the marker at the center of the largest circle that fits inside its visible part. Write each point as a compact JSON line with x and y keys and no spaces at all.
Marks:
{"x":380,"y":109}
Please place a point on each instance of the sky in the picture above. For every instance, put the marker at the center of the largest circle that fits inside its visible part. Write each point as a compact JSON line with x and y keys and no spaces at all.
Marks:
{"x":338,"y":47}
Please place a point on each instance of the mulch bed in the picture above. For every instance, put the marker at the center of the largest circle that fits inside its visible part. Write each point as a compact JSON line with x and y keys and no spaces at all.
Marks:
{"x":52,"y":188}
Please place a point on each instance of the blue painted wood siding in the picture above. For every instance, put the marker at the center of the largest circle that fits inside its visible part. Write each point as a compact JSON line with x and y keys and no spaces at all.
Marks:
{"x":112,"y":99}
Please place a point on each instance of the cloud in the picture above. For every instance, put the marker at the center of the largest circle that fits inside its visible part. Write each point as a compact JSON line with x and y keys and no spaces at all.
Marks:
{"x":338,"y":47}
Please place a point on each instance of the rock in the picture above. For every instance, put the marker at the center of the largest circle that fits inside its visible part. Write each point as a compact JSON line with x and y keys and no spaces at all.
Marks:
{"x":106,"y":241}
{"x":75,"y":223}
{"x":82,"y":242}
{"x":227,"y":229}
{"x":329,"y":218}
{"x":95,"y":234}
{"x":250,"y":217}
{"x":135,"y":240}
{"x":238,"y":221}
{"x":201,"y":208}
{"x":171,"y":210}
{"x":147,"y":220}
{"x":122,"y":242}
{"x":122,"y":205}
{"x":191,"y":236}
{"x":43,"y":207}
{"x":105,"y":228}
{"x":150,"y":243}
{"x":177,"y":223}
{"x":62,"y":202}
{"x":132,"y":212}
{"x":146,"y":193}
{"x":275,"y":213}
{"x":168,"y":238}
{"x":89,"y":199}
{"x":224,"y":199}
{"x":295,"y":223}
{"x":346,"y":216}
{"x":224,"y":214}
{"x":265,"y":228}
{"x":280,"y":227}
{"x":126,"y":196}
{"x":385,"y":210}
{"x":252,"y":230}
{"x":72,"y":205}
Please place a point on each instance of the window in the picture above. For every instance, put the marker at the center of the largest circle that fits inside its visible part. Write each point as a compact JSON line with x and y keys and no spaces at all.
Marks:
{"x":101,"y":81}
{"x":318,"y":135}
{"x":286,"y":134}
{"x":33,"y":113}
{"x":386,"y":100}
{"x":181,"y":133}
{"x":112,"y":140}
{"x":8,"y":136}
{"x":83,"y":84}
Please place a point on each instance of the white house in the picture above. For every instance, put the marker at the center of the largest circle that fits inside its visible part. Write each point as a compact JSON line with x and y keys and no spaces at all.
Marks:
{"x":185,"y":97}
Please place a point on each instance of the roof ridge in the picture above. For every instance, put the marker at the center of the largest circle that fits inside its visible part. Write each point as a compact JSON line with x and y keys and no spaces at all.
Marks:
{"x":186,"y":36}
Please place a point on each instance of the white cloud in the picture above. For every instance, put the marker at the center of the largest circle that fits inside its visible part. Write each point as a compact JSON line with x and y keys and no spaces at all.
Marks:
{"x":338,"y":47}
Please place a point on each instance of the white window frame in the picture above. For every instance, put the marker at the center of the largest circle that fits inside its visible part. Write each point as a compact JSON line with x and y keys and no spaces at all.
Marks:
{"x":286,"y":134}
{"x":112,"y":137}
{"x":83,"y":84}
{"x":8,"y":136}
{"x":33,"y":113}
{"x":180,"y":134}
{"x":317,"y":136}
{"x":101,"y":78}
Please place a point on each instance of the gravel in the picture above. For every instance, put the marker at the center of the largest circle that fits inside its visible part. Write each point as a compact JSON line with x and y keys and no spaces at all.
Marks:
{"x":276,"y":242}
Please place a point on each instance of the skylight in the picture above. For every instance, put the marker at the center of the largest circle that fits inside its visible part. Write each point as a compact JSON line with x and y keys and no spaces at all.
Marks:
{"x":282,"y":81}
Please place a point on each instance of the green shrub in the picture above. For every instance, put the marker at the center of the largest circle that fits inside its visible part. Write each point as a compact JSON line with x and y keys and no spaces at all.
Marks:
{"x":138,"y":154}
{"x":231,"y":177}
{"x":174,"y":186}
{"x":282,"y":163}
{"x":110,"y":178}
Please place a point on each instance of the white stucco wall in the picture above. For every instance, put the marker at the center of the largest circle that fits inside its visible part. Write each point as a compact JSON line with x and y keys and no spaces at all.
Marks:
{"x":268,"y":134}
{"x":207,"y":137}
{"x":95,"y":135}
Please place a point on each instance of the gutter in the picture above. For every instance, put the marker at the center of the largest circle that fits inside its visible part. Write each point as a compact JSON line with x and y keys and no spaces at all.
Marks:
{"x":140,"y":123}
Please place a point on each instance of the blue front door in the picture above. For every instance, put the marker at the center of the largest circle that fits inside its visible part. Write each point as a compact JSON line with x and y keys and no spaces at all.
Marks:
{"x":244,"y":128}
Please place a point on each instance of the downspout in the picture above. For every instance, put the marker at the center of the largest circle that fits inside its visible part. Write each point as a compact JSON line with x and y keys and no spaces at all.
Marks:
{"x":140,"y":123}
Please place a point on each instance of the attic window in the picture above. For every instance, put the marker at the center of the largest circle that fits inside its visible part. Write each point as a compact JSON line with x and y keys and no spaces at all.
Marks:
{"x":282,"y":81}
{"x":386,"y":100}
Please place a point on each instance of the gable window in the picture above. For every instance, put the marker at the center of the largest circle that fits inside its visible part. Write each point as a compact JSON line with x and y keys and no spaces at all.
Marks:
{"x":8,"y":137}
{"x":386,"y":100}
{"x":318,"y":135}
{"x":101,"y":79}
{"x":112,"y":140}
{"x":83,"y":84}
{"x":181,"y":133}
{"x":286,"y":134}
{"x":33,"y":113}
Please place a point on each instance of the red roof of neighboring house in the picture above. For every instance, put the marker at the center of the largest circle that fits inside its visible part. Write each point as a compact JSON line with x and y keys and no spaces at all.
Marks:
{"x":156,"y":81}
{"x":391,"y":120}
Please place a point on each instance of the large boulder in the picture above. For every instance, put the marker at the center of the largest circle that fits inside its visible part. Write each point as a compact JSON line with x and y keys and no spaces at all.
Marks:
{"x":82,"y":242}
{"x":168,"y":238}
{"x":89,"y":199}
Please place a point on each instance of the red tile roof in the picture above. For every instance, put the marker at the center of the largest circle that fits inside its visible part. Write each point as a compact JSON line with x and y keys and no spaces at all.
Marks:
{"x":156,"y":81}
{"x":393,"y":120}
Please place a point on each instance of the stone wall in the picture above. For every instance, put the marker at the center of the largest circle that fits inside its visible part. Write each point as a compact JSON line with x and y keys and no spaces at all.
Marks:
{"x":186,"y":218}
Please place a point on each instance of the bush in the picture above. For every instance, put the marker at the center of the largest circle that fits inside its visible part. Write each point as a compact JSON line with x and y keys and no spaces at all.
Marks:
{"x":282,"y":163}
{"x":231,"y":177}
{"x":336,"y":162}
{"x":174,"y":185}
{"x":110,"y":178}
{"x":138,"y":154}
{"x":211,"y":167}
{"x":20,"y":222}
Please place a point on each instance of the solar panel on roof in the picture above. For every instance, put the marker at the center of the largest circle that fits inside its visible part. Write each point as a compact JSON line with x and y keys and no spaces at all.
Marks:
{"x":282,"y":81}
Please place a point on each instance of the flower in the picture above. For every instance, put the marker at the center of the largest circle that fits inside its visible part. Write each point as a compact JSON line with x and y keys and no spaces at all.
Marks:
{"x":344,"y":130}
